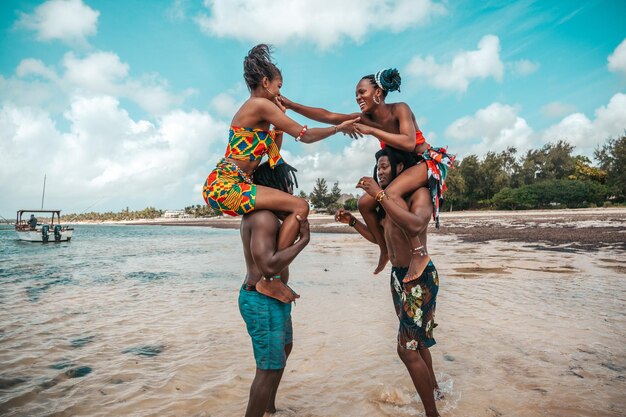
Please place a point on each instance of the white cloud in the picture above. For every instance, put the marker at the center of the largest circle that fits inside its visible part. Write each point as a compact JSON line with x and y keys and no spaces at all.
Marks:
{"x":323,"y":22}
{"x":466,"y":66}
{"x":105,"y":154}
{"x":177,"y":12}
{"x":585,"y":133}
{"x":70,"y":21}
{"x":617,"y":60}
{"x":557,"y":109}
{"x":99,"y":72}
{"x":225,"y":104}
{"x":524,"y":67}
{"x":35,"y":67}
{"x":354,"y":161}
{"x":497,"y":127}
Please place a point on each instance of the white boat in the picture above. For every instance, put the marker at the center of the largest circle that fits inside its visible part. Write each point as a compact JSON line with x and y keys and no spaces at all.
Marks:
{"x":43,"y":232}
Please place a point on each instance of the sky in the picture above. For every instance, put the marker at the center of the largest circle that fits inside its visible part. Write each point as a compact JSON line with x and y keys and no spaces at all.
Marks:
{"x":128,"y":103}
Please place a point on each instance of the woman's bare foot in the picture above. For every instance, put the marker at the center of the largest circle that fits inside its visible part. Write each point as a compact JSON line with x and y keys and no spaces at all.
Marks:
{"x":382,"y":260}
{"x":275,"y":288}
{"x":419,"y":260}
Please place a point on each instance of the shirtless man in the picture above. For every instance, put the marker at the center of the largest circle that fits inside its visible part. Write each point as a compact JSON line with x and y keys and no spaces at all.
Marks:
{"x":268,"y":318}
{"x":415,"y":300}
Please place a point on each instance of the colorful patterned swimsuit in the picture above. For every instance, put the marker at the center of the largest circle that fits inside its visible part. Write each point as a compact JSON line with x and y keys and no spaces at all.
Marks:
{"x":438,"y":161}
{"x":229,"y":189}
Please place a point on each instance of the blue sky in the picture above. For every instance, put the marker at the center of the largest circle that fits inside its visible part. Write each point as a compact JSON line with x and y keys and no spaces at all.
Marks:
{"x":128,"y":103}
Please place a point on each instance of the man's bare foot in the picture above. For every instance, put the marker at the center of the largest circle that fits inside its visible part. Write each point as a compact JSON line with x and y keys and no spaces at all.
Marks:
{"x":382,"y":261}
{"x":439,"y":394}
{"x":275,"y":288}
{"x":417,"y":267}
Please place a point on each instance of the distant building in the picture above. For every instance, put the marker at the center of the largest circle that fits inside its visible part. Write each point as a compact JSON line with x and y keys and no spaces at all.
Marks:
{"x":175,"y":214}
{"x":345,"y":197}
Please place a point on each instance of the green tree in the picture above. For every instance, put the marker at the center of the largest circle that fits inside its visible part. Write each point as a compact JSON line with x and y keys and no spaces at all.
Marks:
{"x":302,"y":194}
{"x":524,"y":197}
{"x":612,"y":158}
{"x":495,"y":172}
{"x":455,"y":197}
{"x":469,"y":169}
{"x":318,"y":195}
{"x":551,"y":193}
{"x":585,"y":172}
{"x":530,"y":168}
{"x":559,"y":162}
{"x":335,"y":194}
{"x":351,"y":204}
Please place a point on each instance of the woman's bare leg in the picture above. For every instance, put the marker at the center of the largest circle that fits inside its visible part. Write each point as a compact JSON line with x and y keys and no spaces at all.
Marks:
{"x":367,"y":208}
{"x":275,"y":200}
{"x":408,"y":182}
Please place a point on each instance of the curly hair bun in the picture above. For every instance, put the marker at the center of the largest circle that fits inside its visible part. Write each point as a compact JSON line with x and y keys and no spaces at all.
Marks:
{"x":389,"y":79}
{"x":258,"y":64}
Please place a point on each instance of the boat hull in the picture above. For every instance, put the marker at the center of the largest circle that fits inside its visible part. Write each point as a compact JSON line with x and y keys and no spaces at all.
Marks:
{"x":37,"y":236}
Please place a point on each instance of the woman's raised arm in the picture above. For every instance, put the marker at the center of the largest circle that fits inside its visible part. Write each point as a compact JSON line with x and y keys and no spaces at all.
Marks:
{"x":317,"y":113}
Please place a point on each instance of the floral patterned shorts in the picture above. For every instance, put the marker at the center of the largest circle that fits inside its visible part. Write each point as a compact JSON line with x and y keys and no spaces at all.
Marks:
{"x":415,"y":304}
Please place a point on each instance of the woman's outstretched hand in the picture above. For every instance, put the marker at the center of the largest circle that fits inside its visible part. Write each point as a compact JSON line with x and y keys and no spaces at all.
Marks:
{"x":284,"y":101}
{"x":280,"y":104}
{"x":363,"y":129}
{"x":349,"y":128}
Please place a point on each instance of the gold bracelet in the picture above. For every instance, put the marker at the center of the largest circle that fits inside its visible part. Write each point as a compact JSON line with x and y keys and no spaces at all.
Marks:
{"x":381,"y":194}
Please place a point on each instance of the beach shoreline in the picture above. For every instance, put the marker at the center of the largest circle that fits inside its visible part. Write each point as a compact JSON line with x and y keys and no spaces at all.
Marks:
{"x":578,"y":228}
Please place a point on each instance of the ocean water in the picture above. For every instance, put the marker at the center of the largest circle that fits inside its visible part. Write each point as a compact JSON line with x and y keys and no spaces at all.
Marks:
{"x":143,"y":321}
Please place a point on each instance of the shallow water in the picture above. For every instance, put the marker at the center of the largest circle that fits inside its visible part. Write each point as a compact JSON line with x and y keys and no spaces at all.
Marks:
{"x":143,"y":321}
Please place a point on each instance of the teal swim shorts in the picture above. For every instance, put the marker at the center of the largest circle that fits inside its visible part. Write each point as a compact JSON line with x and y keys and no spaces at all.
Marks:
{"x":269,"y":325}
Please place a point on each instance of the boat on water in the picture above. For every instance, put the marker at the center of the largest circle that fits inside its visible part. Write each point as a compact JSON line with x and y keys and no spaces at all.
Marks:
{"x":42,"y":231}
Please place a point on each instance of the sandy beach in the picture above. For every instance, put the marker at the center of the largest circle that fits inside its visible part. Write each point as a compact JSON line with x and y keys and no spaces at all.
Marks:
{"x":526,"y":327}
{"x":584,"y":228}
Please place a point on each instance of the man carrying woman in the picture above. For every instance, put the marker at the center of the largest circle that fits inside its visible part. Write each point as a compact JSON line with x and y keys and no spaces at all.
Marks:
{"x":414,"y":301}
{"x":229,"y":188}
{"x":392,"y":124}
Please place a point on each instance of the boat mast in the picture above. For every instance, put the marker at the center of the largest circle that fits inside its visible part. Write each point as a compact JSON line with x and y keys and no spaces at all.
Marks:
{"x":43,"y":194}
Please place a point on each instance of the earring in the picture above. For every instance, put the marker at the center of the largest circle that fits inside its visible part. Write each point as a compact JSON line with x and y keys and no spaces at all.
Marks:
{"x":377,"y":102}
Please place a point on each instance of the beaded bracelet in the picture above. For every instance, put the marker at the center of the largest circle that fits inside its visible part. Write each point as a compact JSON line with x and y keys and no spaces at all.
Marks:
{"x":304,"y":129}
{"x":381,"y":194}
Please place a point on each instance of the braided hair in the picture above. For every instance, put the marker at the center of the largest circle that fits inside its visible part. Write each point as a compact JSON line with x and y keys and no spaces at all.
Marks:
{"x":258,"y":64}
{"x":282,"y":176}
{"x":387,"y":80}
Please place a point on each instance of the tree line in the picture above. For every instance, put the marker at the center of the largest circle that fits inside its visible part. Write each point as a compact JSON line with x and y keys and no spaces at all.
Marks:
{"x":122,"y":215}
{"x":541,"y":178}
{"x":548,"y":177}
